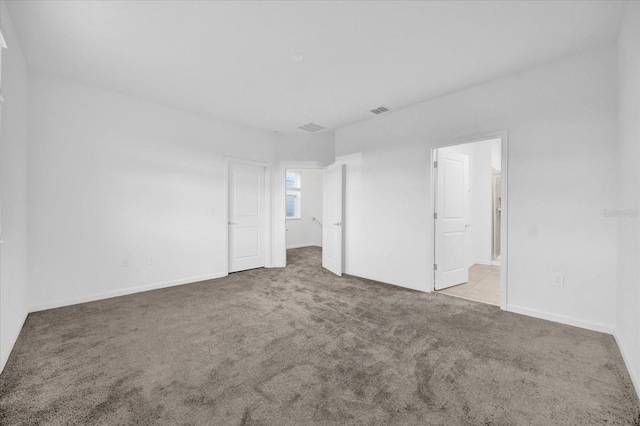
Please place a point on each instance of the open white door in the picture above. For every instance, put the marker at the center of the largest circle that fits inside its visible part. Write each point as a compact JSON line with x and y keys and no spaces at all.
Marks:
{"x":332,"y":218}
{"x":246,"y":217}
{"x":452,"y":206}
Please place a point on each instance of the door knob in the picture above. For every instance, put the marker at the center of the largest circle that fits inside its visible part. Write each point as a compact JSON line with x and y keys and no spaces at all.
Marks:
{"x":338,"y":224}
{"x":466,"y":225}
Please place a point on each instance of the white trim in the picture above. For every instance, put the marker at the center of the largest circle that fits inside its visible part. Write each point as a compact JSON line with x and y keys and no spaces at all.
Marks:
{"x":562,"y":319}
{"x":504,"y":221}
{"x":302,"y":245}
{"x":123,"y":292}
{"x":431,"y":238}
{"x":635,"y":379}
{"x":268,"y":226}
{"x":226,"y":215}
{"x":503,"y":135}
{"x":3,"y":44}
{"x":12,"y":343}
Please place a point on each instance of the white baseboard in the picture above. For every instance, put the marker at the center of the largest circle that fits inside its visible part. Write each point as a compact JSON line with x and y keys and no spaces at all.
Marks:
{"x":495,"y":263}
{"x":302,"y":245}
{"x":12,"y":343}
{"x":562,"y":319}
{"x":122,"y":292}
{"x":633,"y":373}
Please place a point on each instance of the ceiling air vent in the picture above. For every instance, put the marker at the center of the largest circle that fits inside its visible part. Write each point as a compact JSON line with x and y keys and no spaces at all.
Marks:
{"x":311,"y":127}
{"x":380,"y":110}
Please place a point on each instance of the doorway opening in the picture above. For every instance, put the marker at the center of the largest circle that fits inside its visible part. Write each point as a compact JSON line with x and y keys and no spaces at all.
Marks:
{"x":303,"y":212}
{"x":313,"y":212}
{"x":470,"y":221}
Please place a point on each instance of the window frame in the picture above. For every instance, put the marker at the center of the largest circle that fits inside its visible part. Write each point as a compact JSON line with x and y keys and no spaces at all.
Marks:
{"x":294,"y":191}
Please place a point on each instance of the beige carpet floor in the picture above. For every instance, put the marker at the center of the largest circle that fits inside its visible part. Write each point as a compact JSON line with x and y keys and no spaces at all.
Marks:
{"x":300,"y":346}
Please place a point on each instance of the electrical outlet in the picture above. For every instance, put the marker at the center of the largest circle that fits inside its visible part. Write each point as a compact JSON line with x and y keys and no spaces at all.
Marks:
{"x":125,"y":263}
{"x":557,"y":279}
{"x":151,"y":259}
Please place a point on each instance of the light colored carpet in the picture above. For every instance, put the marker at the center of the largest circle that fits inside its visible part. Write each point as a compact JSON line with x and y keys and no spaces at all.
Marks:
{"x":300,"y":346}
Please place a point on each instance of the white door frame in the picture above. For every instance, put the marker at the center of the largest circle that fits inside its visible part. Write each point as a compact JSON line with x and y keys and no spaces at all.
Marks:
{"x":267,"y":208}
{"x":504,"y":249}
{"x":282,"y":216}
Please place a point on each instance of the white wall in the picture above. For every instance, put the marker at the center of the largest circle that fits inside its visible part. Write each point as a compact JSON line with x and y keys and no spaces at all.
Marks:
{"x":481,"y":203}
{"x":305,"y":231}
{"x":13,"y":190}
{"x":628,"y":290}
{"x":487,"y":156}
{"x":561,"y":120}
{"x":112,"y":178}
{"x":318,"y":148}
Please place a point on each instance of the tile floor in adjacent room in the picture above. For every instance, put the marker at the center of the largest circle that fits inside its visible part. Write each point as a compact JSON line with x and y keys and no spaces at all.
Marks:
{"x":483,"y":285}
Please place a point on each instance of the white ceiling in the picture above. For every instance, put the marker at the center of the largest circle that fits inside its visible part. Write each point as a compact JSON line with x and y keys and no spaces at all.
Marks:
{"x":233,"y":60}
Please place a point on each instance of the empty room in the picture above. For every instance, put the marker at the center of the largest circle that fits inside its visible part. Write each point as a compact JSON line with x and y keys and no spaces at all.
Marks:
{"x":319,"y":212}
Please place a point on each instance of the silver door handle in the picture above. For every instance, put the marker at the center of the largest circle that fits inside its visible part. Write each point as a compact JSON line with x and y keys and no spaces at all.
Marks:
{"x":338,"y":224}
{"x":466,"y":225}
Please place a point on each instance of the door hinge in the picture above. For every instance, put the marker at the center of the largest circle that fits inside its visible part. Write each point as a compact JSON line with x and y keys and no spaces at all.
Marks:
{"x":435,"y":215}
{"x":435,"y":164}
{"x":435,"y":267}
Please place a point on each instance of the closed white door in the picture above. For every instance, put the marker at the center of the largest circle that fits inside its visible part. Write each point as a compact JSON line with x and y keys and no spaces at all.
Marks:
{"x":246,"y":217}
{"x":332,"y":179}
{"x":452,"y":207}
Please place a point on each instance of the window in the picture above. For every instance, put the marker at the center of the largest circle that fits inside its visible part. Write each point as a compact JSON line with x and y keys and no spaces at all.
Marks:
{"x":293,"y":196}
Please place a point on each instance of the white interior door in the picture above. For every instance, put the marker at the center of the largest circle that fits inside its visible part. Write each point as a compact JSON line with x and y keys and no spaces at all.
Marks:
{"x":452,"y":209}
{"x":332,"y":180}
{"x":246,"y":217}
